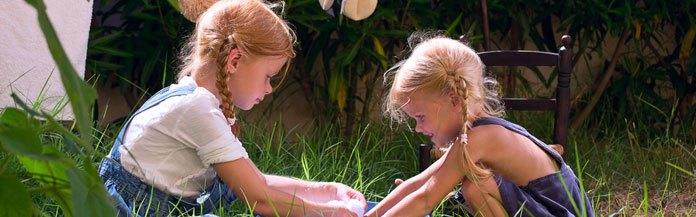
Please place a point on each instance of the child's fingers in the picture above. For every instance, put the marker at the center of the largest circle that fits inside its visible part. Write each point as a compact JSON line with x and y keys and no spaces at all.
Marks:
{"x":360,"y":197}
{"x":558,"y":148}
{"x":355,"y":195}
{"x":398,"y":182}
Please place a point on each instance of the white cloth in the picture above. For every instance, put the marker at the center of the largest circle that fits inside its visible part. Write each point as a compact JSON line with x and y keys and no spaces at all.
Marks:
{"x":27,"y":67}
{"x":356,"y":206}
{"x":172,"y":145}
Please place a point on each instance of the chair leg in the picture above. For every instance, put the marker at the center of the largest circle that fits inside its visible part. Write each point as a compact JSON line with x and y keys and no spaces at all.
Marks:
{"x":424,"y":156}
{"x":562,"y":124}
{"x":424,"y":159}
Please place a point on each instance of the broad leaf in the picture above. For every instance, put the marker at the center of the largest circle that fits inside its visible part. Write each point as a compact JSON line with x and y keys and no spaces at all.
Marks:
{"x":88,"y":192}
{"x":14,"y":198}
{"x":51,"y":175}
{"x":19,"y":134}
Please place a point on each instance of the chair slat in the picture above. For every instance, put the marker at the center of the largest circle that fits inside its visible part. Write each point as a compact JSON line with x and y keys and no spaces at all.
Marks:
{"x":518,"y":58}
{"x":522,"y":104}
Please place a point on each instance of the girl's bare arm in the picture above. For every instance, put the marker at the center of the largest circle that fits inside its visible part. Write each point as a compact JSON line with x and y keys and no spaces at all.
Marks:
{"x":320,"y":192}
{"x":404,"y":189}
{"x":252,"y":186}
{"x":443,"y":179}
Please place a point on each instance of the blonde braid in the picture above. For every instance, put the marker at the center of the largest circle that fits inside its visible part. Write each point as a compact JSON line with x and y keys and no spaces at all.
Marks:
{"x":220,"y":47}
{"x":459,"y":85}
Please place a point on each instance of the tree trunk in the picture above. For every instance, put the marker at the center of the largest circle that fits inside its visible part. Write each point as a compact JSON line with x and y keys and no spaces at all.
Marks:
{"x":604,"y":82}
{"x":352,"y":74}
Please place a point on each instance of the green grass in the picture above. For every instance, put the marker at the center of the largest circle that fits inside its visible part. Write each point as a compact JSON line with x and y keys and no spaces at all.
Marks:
{"x":626,"y":167}
{"x":623,"y":175}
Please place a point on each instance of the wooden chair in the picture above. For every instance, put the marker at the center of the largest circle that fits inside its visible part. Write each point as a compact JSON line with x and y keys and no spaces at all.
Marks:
{"x":560,"y":105}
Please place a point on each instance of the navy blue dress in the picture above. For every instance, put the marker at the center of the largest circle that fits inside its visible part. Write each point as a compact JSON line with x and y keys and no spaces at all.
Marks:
{"x":556,"y":194}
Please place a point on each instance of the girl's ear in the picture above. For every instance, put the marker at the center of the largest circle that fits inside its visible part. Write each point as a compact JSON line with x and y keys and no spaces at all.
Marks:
{"x":454,"y":99}
{"x":233,"y":59}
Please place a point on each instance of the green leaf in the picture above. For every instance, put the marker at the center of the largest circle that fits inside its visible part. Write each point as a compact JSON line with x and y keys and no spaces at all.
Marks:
{"x":175,"y":5}
{"x":681,"y":169}
{"x":454,"y":24}
{"x":19,"y":134}
{"x":88,"y":192}
{"x":112,"y":51}
{"x":102,"y":65}
{"x":338,"y":89}
{"x":106,"y":39}
{"x":48,"y":172}
{"x":51,"y":175}
{"x":14,"y":197}
{"x":81,"y":95}
{"x":381,"y":55}
{"x":315,"y":48}
{"x":353,"y":51}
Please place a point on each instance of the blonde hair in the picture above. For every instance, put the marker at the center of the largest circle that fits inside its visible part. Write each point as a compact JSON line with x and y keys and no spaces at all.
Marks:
{"x":249,"y":25}
{"x":442,"y":64}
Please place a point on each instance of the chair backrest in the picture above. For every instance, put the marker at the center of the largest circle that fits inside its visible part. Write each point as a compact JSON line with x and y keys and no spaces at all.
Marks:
{"x":560,"y":105}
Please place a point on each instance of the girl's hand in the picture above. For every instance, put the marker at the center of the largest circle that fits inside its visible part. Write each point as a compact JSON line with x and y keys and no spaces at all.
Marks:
{"x":345,"y":193}
{"x":398,"y":182}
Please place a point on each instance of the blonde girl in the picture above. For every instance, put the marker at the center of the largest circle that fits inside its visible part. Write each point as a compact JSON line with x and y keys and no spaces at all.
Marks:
{"x":502,"y":168}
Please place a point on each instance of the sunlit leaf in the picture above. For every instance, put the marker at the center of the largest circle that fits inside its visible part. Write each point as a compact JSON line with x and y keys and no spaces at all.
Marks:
{"x":175,"y":4}
{"x":338,"y":90}
{"x":19,"y":134}
{"x":14,"y":197}
{"x":687,"y":42}
{"x":380,"y":50}
{"x":51,"y":175}
{"x":88,"y":192}
{"x":637,"y":27}
{"x":454,"y":24}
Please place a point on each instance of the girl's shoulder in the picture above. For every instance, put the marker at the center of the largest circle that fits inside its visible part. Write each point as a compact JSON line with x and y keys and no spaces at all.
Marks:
{"x":489,"y":135}
{"x":494,"y":139}
{"x":199,"y":96}
{"x":197,"y":104}
{"x":198,"y":99}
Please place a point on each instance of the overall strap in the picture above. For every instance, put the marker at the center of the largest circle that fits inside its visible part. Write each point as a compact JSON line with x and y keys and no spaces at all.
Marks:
{"x":160,"y":96}
{"x":520,"y":130}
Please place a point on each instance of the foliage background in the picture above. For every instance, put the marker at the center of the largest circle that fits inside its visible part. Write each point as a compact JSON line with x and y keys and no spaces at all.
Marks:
{"x":633,"y":107}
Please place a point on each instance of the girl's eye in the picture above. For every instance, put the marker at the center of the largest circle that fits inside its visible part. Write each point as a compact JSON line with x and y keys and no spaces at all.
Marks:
{"x":419,"y":117}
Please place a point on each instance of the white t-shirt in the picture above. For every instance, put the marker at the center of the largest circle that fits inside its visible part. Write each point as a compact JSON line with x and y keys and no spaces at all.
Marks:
{"x":172,"y":145}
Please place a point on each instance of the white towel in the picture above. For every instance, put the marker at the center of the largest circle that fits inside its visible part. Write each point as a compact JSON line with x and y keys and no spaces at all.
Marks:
{"x":356,"y":206}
